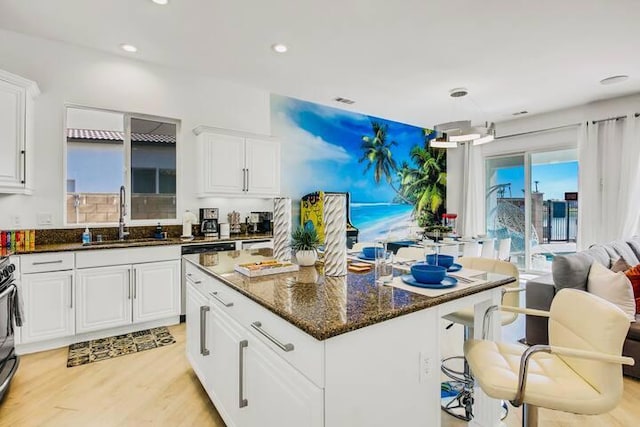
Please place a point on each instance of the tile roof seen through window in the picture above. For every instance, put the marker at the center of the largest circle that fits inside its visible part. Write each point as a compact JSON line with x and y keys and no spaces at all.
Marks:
{"x":111,"y":135}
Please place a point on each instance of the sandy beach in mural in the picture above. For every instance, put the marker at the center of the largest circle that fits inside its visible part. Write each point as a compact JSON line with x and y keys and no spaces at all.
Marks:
{"x":382,"y":221}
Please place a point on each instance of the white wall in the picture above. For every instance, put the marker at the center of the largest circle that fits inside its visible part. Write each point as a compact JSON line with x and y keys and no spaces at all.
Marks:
{"x":69,"y":74}
{"x":549,"y":140}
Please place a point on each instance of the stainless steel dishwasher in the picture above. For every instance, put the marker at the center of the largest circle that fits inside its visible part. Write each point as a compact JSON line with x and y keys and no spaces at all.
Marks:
{"x":198,"y":249}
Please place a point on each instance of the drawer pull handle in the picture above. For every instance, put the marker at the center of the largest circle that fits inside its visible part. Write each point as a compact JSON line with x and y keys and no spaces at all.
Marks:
{"x":220,"y":300}
{"x":58,"y":261}
{"x":242,"y":401}
{"x":284,"y":347}
{"x":203,"y":330}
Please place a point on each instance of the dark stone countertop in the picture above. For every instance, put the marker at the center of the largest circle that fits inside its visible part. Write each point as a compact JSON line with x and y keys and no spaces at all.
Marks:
{"x":133,"y":243}
{"x":325,"y":307}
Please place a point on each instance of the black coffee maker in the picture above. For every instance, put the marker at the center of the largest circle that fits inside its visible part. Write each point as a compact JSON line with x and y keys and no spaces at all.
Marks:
{"x":263,"y":222}
{"x":209,"y":223}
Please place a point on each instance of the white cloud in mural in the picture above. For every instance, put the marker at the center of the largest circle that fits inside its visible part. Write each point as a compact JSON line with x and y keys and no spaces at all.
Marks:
{"x":302,"y":145}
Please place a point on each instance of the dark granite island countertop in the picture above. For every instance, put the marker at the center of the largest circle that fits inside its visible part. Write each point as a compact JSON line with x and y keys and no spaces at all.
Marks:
{"x":325,"y":307}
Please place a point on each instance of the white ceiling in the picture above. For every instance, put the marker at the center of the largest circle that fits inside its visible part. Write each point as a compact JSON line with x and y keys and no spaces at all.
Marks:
{"x":396,"y":58}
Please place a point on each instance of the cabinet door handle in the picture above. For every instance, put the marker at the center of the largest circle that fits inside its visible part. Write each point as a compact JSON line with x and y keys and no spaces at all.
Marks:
{"x":71,"y":292}
{"x":24,"y":166}
{"x":129,"y":289}
{"x":58,"y":261}
{"x":135,"y":284}
{"x":220,"y":300}
{"x":203,"y":330}
{"x":284,"y":347}
{"x":242,"y":402}
{"x":247,"y":179}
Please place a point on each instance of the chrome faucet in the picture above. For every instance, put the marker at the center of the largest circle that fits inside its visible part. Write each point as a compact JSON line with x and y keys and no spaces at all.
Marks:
{"x":123,"y":211}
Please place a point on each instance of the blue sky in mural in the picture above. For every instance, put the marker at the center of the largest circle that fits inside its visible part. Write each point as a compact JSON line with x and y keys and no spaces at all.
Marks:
{"x":323,"y":149}
{"x":336,"y":137}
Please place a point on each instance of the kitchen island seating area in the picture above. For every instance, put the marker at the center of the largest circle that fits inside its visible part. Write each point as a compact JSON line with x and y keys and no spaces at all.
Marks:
{"x":301,"y":349}
{"x":466,"y":317}
{"x":578,"y":372}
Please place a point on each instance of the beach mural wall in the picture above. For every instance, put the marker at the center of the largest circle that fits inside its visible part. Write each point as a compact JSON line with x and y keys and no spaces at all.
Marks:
{"x":395,"y":179}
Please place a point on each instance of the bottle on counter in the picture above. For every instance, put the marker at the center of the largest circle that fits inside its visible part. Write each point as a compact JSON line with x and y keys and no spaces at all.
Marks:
{"x":86,"y":236}
{"x":159,"y":234}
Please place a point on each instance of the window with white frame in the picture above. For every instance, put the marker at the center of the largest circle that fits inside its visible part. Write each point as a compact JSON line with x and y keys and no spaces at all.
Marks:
{"x":107,"y":150}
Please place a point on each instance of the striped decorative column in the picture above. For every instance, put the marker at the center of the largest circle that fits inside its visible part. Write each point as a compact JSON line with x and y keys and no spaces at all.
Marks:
{"x":335,"y":234}
{"x":282,"y":228}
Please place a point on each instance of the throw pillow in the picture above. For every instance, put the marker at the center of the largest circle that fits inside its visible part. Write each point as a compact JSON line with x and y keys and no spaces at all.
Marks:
{"x":571,"y":271}
{"x":620,"y":265}
{"x":633,"y":274}
{"x":614,"y":287}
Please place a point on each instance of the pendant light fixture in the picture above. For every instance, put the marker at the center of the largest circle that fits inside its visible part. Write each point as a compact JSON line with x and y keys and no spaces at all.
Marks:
{"x":462,"y":130}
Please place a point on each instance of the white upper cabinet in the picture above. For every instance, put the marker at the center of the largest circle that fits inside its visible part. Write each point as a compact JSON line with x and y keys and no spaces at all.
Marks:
{"x":16,"y":133}
{"x":262,"y":160}
{"x":237,"y":164}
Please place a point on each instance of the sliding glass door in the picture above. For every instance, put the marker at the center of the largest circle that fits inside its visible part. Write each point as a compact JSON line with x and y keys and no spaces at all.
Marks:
{"x":532,"y":199}
{"x":506,"y":204}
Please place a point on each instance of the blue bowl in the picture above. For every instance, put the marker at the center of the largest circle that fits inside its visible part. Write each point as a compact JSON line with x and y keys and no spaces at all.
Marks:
{"x":425,"y":273}
{"x":370,"y":251}
{"x":443,"y":260}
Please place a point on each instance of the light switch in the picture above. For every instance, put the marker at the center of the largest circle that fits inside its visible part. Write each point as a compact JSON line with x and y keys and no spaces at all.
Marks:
{"x":44,"y":218}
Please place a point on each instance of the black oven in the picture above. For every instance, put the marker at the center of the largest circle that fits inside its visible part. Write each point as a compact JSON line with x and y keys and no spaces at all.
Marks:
{"x":9,"y":318}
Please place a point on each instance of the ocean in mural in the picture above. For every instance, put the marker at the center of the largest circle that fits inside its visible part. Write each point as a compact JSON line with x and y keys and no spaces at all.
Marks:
{"x":393,"y":176}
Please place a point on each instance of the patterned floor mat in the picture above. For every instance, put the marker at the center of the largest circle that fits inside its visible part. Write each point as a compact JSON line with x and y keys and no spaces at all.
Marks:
{"x":119,"y":345}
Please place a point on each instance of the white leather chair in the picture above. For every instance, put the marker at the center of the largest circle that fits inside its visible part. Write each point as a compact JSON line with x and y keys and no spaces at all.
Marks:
{"x":451,"y":249}
{"x":471,"y":249}
{"x":578,"y":372}
{"x":504,"y":249}
{"x":488,"y":249}
{"x":411,"y":253}
{"x":465,"y":317}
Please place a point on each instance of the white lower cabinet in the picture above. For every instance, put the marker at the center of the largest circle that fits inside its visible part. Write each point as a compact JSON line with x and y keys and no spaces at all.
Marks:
{"x":104,"y":298}
{"x":156,"y":290}
{"x":50,"y":301}
{"x":198,"y":338}
{"x":277,"y":394}
{"x":249,"y":382}
{"x":114,"y":296}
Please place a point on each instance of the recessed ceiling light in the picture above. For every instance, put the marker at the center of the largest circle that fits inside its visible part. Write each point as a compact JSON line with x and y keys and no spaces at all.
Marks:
{"x":344,"y":100}
{"x":161,"y":2}
{"x":614,"y":79}
{"x":279,"y":48}
{"x":458,"y":92}
{"x":128,"y":47}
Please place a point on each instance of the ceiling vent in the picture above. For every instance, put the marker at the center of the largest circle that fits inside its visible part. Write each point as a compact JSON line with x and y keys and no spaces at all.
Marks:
{"x":344,"y":100}
{"x":520,"y":113}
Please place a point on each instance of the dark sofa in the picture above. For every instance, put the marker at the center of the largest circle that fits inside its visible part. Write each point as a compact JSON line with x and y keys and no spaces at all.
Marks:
{"x":572,"y":271}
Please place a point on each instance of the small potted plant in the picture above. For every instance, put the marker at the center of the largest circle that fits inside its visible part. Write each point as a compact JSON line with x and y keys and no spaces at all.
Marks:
{"x":305,"y":242}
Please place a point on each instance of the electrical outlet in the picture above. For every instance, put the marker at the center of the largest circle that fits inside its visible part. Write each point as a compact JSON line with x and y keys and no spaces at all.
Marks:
{"x":424,"y":367}
{"x":44,"y":218}
{"x":15,"y":220}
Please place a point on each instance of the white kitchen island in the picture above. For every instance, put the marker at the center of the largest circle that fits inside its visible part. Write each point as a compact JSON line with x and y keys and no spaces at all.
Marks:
{"x":300,"y":349}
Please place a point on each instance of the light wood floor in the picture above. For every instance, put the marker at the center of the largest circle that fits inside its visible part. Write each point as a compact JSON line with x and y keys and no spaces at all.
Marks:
{"x":158,"y":388}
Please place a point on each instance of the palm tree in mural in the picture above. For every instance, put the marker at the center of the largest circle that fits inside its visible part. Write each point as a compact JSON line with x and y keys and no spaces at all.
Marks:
{"x":426,"y":184}
{"x":378,"y":155}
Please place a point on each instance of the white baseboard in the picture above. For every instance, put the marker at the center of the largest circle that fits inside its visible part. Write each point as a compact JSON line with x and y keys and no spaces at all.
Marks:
{"x":65,"y":341}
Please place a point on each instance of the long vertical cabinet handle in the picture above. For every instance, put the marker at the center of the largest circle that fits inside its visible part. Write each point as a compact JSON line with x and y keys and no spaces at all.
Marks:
{"x":244,"y":179}
{"x":247,"y":180}
{"x":71,"y":292}
{"x":203,"y":330}
{"x":135,"y":284}
{"x":24,"y":166}
{"x":242,"y":402}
